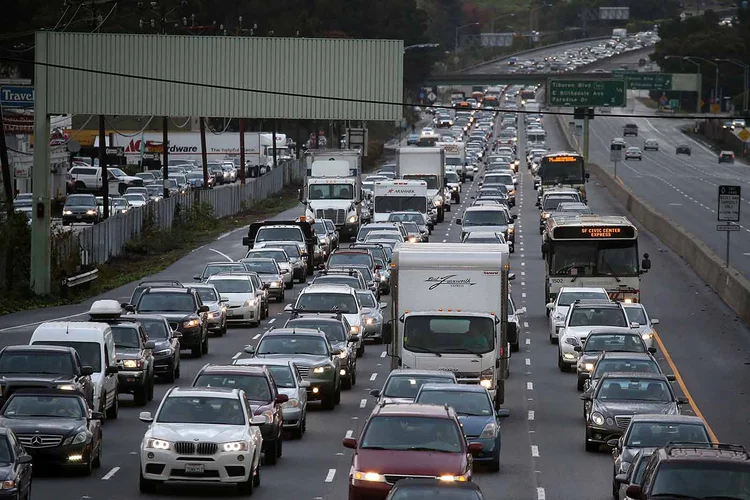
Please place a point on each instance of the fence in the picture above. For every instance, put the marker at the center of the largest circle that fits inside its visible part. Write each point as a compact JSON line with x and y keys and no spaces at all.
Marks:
{"x":97,"y":244}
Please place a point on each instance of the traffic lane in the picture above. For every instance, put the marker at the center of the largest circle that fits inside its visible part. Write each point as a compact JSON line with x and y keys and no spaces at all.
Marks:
{"x":24,"y":322}
{"x":501,"y":66}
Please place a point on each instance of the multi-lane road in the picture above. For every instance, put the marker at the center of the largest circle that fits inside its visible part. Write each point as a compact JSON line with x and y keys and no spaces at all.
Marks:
{"x":543,"y":455}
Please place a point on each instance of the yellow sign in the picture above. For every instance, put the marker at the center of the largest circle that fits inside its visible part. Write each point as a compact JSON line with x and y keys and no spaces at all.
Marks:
{"x":744,"y":135}
{"x":715,"y":108}
{"x":562,"y":159}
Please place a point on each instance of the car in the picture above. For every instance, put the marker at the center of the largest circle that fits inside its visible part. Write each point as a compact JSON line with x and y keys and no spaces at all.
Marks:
{"x":609,"y":340}
{"x":636,"y":313}
{"x":217,"y":267}
{"x":582,"y":316}
{"x":417,"y":488}
{"x":683,"y":149}
{"x":618,"y":396}
{"x":260,"y":390}
{"x":372,"y":324}
{"x":281,"y":258}
{"x":694,"y":470}
{"x":483,"y":237}
{"x":651,"y":145}
{"x":186,"y":426}
{"x":402,"y":384}
{"x":633,"y":153}
{"x":726,"y":157}
{"x":166,"y":344}
{"x":217,"y":309}
{"x":634,"y":475}
{"x":630,"y":129}
{"x":16,"y":469}
{"x":476,"y":410}
{"x":401,"y":440}
{"x":412,"y":139}
{"x":296,"y":259}
{"x":557,"y":310}
{"x":316,"y":360}
{"x":80,"y":208}
{"x":270,"y":273}
{"x":242,"y":302}
{"x":56,"y":427}
{"x":648,"y":432}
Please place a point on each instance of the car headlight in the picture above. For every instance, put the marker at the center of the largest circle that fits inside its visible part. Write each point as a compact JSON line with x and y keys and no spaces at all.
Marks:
{"x":67,"y":212}
{"x":450,"y":479}
{"x":133,"y":364}
{"x":191,"y":323}
{"x":352,"y":219}
{"x":489,"y":431}
{"x":438,"y":203}
{"x":588,"y":366}
{"x":79,"y":438}
{"x":235,"y":446}
{"x":597,"y":418}
{"x":647,"y":336}
{"x":66,"y":387}
{"x":354,"y":330}
{"x":322,"y":369}
{"x":383,"y":277}
{"x":8,"y":485}
{"x":214,"y":315}
{"x":370,"y":321}
{"x":90,"y":212}
{"x":275,"y":284}
{"x":158,"y":444}
{"x":372,"y":477}
{"x":558,"y":316}
{"x":291,"y":403}
{"x":511,"y":229}
{"x":455,"y":188}
{"x":343,"y":354}
{"x":572,"y":340}
{"x":164,"y":352}
{"x":250,"y":303}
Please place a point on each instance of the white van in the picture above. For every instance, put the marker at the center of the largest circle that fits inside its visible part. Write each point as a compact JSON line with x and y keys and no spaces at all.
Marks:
{"x":96,"y":348}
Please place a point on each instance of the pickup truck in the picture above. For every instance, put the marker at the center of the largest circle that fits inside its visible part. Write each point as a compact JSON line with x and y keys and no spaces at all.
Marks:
{"x":89,"y":179}
{"x":630,"y":129}
{"x":43,"y":366}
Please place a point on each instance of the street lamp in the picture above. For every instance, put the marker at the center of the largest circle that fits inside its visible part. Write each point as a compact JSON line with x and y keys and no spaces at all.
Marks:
{"x":716,"y":81}
{"x":492,"y":23}
{"x":700,"y":80}
{"x":746,"y":67}
{"x":455,"y":48}
{"x":531,"y":21}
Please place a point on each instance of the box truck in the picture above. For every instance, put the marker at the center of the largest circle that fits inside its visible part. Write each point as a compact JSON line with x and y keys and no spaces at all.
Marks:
{"x":425,"y":164}
{"x":398,"y":196}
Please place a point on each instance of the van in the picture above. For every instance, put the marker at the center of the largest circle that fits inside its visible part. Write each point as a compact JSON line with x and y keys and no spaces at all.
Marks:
{"x":96,"y":348}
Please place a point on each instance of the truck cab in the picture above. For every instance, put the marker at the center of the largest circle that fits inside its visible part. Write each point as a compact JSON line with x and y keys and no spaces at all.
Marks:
{"x":333,"y":191}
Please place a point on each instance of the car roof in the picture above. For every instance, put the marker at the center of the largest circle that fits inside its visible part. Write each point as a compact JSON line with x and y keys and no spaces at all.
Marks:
{"x":328,"y":288}
{"x":414,"y":410}
{"x":37,"y":347}
{"x":205,"y":285}
{"x":261,"y":362}
{"x":655,"y":417}
{"x":597,"y":303}
{"x":486,"y":208}
{"x":646,"y":375}
{"x":626,"y":355}
{"x":230,"y":369}
{"x":453,"y":387}
{"x":318,"y":319}
{"x":411,"y":482}
{"x":703,"y":451}
{"x":229,"y":276}
{"x":612,"y":330}
{"x":219,"y":392}
{"x":294,"y":331}
{"x":405,"y":372}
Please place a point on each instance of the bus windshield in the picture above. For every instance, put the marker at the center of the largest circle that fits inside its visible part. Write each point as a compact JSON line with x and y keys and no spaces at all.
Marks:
{"x":562,"y":172}
{"x":593,"y":258}
{"x":388,"y":204}
{"x":471,"y":335}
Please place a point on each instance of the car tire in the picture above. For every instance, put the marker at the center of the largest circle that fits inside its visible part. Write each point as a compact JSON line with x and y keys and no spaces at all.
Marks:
{"x":346,"y":383}
{"x":589,"y":446}
{"x":280,"y":298}
{"x":246,"y":488}
{"x":140,"y":396}
{"x":114,"y":410}
{"x":515,"y":347}
{"x":147,"y":485}
{"x":151,"y":385}
{"x":177,"y":370}
{"x":256,"y":477}
{"x":495,"y":464}
{"x":170,"y":375}
{"x":204,"y":345}
{"x":328,"y":402}
{"x":553,"y":340}
{"x":289,"y":286}
{"x":579,"y":385}
{"x":197,"y":352}
{"x":223,"y":329}
{"x":337,"y":395}
{"x":280,"y":445}
{"x":297,"y":431}
{"x":560,"y":364}
{"x":271,"y":456}
{"x":97,"y":462}
{"x":361,"y":350}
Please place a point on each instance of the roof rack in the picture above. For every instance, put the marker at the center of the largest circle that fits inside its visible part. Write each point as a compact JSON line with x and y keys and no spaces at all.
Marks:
{"x":732,"y":450}
{"x":161,"y":283}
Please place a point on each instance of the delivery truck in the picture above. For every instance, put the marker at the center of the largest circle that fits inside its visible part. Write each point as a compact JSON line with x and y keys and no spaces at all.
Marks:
{"x":425,"y":164}
{"x":398,"y":196}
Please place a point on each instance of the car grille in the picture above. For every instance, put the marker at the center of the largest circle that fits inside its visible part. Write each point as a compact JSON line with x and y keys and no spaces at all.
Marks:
{"x":623,"y":421}
{"x":393,"y":478}
{"x":338,"y":216}
{"x":188,"y":448}
{"x":136,"y":182}
{"x":303,"y":370}
{"x":36,"y":441}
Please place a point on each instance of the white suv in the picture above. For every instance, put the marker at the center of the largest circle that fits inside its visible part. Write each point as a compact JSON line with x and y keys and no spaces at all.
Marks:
{"x":202,"y":434}
{"x":558,"y":310}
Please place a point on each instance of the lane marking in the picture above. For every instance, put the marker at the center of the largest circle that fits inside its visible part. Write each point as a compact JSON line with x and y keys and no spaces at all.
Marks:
{"x":529,"y":386}
{"x":109,"y":474}
{"x":531,"y":415}
{"x":528,"y":341}
{"x":270,"y":321}
{"x":383,"y":354}
{"x":256,"y":336}
{"x":534,"y":451}
{"x":349,"y":433}
{"x":363,"y":403}
{"x":523,"y":295}
{"x":684,"y":388}
{"x":331,"y":475}
{"x":523,"y":273}
{"x":540,"y":494}
{"x":237,"y":355}
{"x":222,"y":254}
{"x":523,"y":263}
{"x":523,"y":283}
{"x":528,"y":362}
{"x":373,"y":377}
{"x":526,"y":325}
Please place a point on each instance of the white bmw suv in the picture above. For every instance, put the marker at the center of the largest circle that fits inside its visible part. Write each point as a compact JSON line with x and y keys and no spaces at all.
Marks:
{"x":202,"y":435}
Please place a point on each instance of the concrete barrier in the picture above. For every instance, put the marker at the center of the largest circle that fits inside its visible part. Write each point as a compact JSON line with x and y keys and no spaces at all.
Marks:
{"x":730,"y":285}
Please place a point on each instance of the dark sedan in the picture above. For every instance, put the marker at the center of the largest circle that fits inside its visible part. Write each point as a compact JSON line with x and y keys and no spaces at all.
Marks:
{"x":15,"y":468}
{"x":80,"y":208}
{"x":683,"y":149}
{"x":611,"y":339}
{"x":166,"y":344}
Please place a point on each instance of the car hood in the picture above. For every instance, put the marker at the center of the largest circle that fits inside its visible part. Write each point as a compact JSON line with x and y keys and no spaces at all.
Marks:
{"x":198,"y":432}
{"x":336,"y":204}
{"x":489,"y":229}
{"x":34,"y":379}
{"x":474,"y":424}
{"x":290,"y":392}
{"x":611,"y":408}
{"x":268,"y":278}
{"x":160,"y":345}
{"x":79,"y":208}
{"x":236,"y":299}
{"x":5,"y":471}
{"x":561,"y":310}
{"x":579,"y":331}
{"x":41,"y":425}
{"x":301,"y":359}
{"x":589,"y":357}
{"x":629,"y":453}
{"x":171,"y":316}
{"x":391,"y":401}
{"x":416,"y":463}
{"x":127,"y":353}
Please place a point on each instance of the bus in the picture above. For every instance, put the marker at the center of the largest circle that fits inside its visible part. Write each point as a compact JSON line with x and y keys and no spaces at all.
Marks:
{"x":563,"y":169}
{"x":491,"y":101}
{"x":593,"y":251}
{"x":527,"y":94}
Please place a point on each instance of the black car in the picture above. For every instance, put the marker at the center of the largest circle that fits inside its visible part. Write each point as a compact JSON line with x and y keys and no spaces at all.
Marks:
{"x":144,"y":285}
{"x":412,"y":488}
{"x":80,"y":208}
{"x":618,"y":396}
{"x":263,"y":395}
{"x":683,"y":149}
{"x":15,"y":467}
{"x":166,"y":349}
{"x":135,"y":360}
{"x":608,"y":340}
{"x":270,"y":274}
{"x":55,"y":427}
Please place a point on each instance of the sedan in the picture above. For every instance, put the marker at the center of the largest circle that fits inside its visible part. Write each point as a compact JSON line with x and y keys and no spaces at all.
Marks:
{"x":411,"y":488}
{"x":373,"y":316}
{"x":637,"y":314}
{"x":683,"y":149}
{"x":634,"y":475}
{"x":16,"y":469}
{"x":80,"y":208}
{"x":402,"y":385}
{"x":611,"y":340}
{"x":633,"y":153}
{"x":412,"y":139}
{"x":135,"y":200}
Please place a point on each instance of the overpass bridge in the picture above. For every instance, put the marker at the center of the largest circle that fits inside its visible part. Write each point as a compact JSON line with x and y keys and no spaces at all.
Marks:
{"x":454,"y":79}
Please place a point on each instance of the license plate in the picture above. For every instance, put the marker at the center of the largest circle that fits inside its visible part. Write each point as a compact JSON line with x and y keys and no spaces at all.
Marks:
{"x":230,"y":313}
{"x":79,"y":216}
{"x":193,"y":468}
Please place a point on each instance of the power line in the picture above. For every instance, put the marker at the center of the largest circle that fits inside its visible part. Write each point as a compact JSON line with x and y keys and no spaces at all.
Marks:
{"x":67,"y":8}
{"x":322,"y":97}
{"x":107,"y":17}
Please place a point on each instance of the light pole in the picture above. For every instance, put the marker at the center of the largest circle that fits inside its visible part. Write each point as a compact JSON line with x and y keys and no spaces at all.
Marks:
{"x":699,"y":108}
{"x":455,"y":48}
{"x":531,"y":22}
{"x":746,"y":67}
{"x":716,"y":81}
{"x":492,"y":23}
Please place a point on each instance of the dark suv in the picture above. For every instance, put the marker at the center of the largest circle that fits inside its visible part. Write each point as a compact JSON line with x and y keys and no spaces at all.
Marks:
{"x":695,"y":470}
{"x":183,"y":309}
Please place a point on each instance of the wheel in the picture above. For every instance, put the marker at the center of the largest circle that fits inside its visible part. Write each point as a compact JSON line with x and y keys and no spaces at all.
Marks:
{"x":246,"y":488}
{"x":88,"y":468}
{"x":289,"y":285}
{"x":560,"y":364}
{"x":361,"y":350}
{"x":353,"y":377}
{"x":170,"y":375}
{"x":114,"y":409}
{"x":553,"y":340}
{"x":197,"y":352}
{"x":147,"y":485}
{"x":204,"y":345}
{"x":579,"y":384}
{"x":256,"y":477}
{"x":223,"y":329}
{"x":302,"y":279}
{"x":280,"y":445}
{"x":495,"y":464}
{"x":615,"y":490}
{"x":79,"y":185}
{"x":177,"y":371}
{"x":337,"y":395}
{"x":97,"y":462}
{"x":151,"y":388}
{"x":347,"y":382}
{"x":297,"y":431}
{"x":515,"y":347}
{"x":140,"y":396}
{"x":280,"y":298}
{"x":591,"y":447}
{"x":271,"y":455}
{"x":262,"y":312}
{"x":328,"y":402}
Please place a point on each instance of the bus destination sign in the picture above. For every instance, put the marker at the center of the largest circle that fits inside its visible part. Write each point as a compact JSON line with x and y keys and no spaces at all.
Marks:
{"x":594,"y":232}
{"x":562,"y":159}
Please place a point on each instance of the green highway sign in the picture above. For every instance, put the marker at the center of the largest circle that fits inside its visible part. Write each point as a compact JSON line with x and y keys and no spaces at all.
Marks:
{"x":586,"y":93}
{"x":645,"y":81}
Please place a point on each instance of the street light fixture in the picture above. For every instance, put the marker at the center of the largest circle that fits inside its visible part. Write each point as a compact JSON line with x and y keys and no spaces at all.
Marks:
{"x":492,"y":23}
{"x":455,"y":48}
{"x":700,"y":80}
{"x":746,"y":67}
{"x":716,"y":80}
{"x":531,"y":21}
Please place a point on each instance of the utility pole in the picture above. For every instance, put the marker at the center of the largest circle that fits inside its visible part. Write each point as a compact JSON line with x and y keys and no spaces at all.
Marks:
{"x":204,"y":153}
{"x":242,"y":151}
{"x":165,"y":154}
{"x":103,"y":166}
{"x":5,"y":164}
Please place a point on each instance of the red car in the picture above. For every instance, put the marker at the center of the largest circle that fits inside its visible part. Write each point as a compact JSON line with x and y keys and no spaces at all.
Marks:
{"x":408,"y":441}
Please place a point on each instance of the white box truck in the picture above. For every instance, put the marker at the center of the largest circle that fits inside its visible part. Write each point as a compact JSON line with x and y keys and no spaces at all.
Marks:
{"x":332,"y":192}
{"x":455,"y":158}
{"x":450,"y":312}
{"x":351,"y":156}
{"x":425,"y":164}
{"x":398,"y":196}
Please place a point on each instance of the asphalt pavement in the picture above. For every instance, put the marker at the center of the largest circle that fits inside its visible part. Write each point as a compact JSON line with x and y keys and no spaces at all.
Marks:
{"x":543,"y":453}
{"x":501,"y":65}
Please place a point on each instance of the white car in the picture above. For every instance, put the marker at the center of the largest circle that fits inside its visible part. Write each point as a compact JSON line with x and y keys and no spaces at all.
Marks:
{"x":637,"y":314}
{"x":202,"y":434}
{"x":558,"y":309}
{"x":135,"y":199}
{"x":243,"y":304}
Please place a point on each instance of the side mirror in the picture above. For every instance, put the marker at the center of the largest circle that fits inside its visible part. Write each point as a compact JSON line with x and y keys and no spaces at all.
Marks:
{"x":223,"y":300}
{"x":176,"y":335}
{"x":353,"y":338}
{"x":150,"y":345}
{"x":683,"y":401}
{"x":521,"y":311}
{"x":97,"y":415}
{"x":304,"y":384}
{"x":24,"y":459}
{"x":129,"y":308}
{"x":652,"y":350}
{"x":288,"y":308}
{"x":375,"y":393}
{"x":475,"y":448}
{"x":350,"y":443}
{"x":633,"y":491}
{"x":248,"y":349}
{"x":550,"y":306}
{"x":284,"y":271}
{"x":654,"y":321}
{"x":613,"y":443}
{"x":459,"y":221}
{"x":145,"y":416}
{"x":645,"y":263}
{"x":586,"y":375}
{"x":266,"y":286}
{"x":197,"y":278}
{"x":258,"y":420}
{"x":538,"y":204}
{"x":383,"y":305}
{"x":588,"y":176}
{"x":514,"y":217}
{"x":203,"y":309}
{"x":671,"y":378}
{"x":335,"y":351}
{"x":621,"y":478}
{"x":578,"y":348}
{"x":111,"y":370}
{"x":481,"y":183}
{"x":87,"y":370}
{"x":503,"y":413}
{"x":511,"y":276}
{"x":281,"y":398}
{"x":388,"y":332}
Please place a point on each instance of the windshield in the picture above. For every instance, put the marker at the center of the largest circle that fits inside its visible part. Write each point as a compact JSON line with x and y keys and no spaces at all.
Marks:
{"x":277,"y":255}
{"x":256,"y":387}
{"x":233,"y":286}
{"x":609,"y":365}
{"x":292,"y":250}
{"x":562,"y":172}
{"x":430,"y":179}
{"x":126,"y":337}
{"x":594,"y":258}
{"x":201,"y":410}
{"x":452,"y":177}
{"x":597,"y":342}
{"x":597,"y":316}
{"x":282,"y":376}
{"x":280,"y":234}
{"x":703,"y":479}
{"x":334,"y":330}
{"x":635,"y":389}
{"x":319,"y":228}
{"x":331,"y":192}
{"x":470,"y":335}
{"x":436,"y":492}
{"x":658,"y":434}
{"x":166,"y":302}
{"x":89,"y":352}
{"x":134,"y":197}
{"x":551,"y":202}
{"x":636,"y":315}
{"x":293,"y":344}
{"x":415,"y":217}
{"x":347,"y":259}
{"x":384,"y":235}
{"x":411,"y":227}
{"x":388,"y":204}
{"x":21,"y":406}
{"x":567,"y":298}
{"x":485,"y":218}
{"x":207,"y":294}
{"x":413,"y":433}
{"x":367,"y":299}
{"x":36,"y":362}
{"x":260,"y":266}
{"x":81,"y":201}
{"x":351,"y":281}
{"x":156,"y":329}
{"x":454,"y":160}
{"x":339,"y":302}
{"x":493,"y":179}
{"x":216,"y":269}
{"x":464,"y":403}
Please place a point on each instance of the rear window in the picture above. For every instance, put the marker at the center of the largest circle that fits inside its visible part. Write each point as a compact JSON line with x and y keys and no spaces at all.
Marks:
{"x":280,"y":234}
{"x":348,"y":259}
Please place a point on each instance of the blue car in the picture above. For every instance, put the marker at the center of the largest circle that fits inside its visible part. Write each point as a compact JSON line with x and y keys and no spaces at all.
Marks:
{"x":475,"y":409}
{"x":412,"y":139}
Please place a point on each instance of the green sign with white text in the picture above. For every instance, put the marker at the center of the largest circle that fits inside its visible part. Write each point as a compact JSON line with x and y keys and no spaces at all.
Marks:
{"x":586,"y":93}
{"x":645,"y":81}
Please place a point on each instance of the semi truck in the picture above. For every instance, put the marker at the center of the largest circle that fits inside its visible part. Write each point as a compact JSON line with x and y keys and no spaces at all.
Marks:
{"x":425,"y":164}
{"x":398,"y":196}
{"x":450,"y":312}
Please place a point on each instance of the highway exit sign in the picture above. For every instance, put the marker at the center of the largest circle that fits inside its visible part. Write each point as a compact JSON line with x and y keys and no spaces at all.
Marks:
{"x":637,"y":80}
{"x":586,"y":93}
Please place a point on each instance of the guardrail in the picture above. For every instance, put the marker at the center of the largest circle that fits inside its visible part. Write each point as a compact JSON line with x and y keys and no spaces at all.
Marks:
{"x":79,"y":279}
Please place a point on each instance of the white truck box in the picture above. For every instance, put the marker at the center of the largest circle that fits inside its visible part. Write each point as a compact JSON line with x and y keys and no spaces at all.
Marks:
{"x":396,"y":196}
{"x":427,"y":164}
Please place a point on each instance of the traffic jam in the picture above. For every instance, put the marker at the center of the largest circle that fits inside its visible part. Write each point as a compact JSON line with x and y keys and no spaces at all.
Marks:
{"x":418,"y":268}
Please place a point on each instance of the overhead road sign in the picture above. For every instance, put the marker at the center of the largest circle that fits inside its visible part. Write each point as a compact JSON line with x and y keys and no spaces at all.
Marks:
{"x":588,"y":92}
{"x":729,"y":204}
{"x":645,"y":81}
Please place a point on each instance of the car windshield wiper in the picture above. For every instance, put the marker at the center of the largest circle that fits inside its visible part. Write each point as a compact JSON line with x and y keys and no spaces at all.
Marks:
{"x":423,"y":349}
{"x":609,"y":267}
{"x":462,"y":349}
{"x":375,"y":448}
{"x":425,"y":448}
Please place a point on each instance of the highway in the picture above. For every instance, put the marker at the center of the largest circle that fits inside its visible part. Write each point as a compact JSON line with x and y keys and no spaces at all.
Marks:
{"x":543,"y":455}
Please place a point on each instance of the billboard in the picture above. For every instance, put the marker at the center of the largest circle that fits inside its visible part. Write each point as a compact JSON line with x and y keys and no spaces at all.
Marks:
{"x":614,"y":13}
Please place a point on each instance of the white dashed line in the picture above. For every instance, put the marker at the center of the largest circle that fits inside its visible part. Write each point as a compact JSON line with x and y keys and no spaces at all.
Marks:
{"x":540,"y":494}
{"x":528,"y":341}
{"x":523,"y":273}
{"x":523,"y":263}
{"x":373,"y":377}
{"x":528,"y":362}
{"x":270,"y":321}
{"x":526,"y":325}
{"x":331,"y":475}
{"x":257,"y":335}
{"x":529,"y":386}
{"x":523,"y":295}
{"x":109,"y":474}
{"x":523,"y":283}
{"x":383,"y":354}
{"x":534,"y":451}
{"x":349,"y":433}
{"x":531,"y":414}
{"x":237,"y":355}
{"x":363,"y":403}
{"x":444,"y":241}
